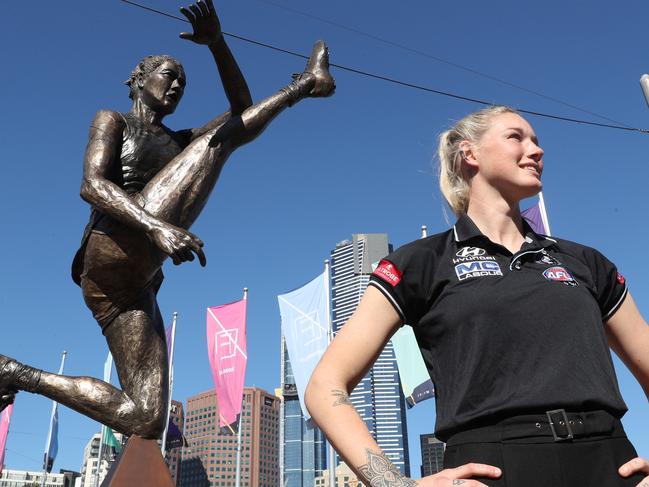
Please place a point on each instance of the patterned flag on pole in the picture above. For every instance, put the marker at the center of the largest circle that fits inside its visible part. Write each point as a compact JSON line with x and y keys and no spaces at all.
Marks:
{"x":109,"y":439}
{"x":415,"y":380}
{"x":50,"y":454}
{"x":534,"y":217}
{"x":52,"y":445}
{"x":226,"y":346}
{"x":305,"y":325}
{"x":5,"y":419}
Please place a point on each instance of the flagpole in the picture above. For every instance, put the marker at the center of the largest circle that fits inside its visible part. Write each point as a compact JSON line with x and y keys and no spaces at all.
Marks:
{"x":108,"y":372}
{"x":238,"y":475}
{"x":544,"y":213}
{"x":332,"y":454}
{"x":48,"y":444}
{"x":171,"y":383}
{"x":282,"y":408}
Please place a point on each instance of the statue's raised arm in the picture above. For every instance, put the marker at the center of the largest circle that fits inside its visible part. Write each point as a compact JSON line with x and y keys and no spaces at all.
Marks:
{"x":207,"y":31}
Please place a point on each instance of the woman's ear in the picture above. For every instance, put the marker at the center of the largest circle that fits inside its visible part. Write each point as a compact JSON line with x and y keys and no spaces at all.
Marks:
{"x":468,"y":154}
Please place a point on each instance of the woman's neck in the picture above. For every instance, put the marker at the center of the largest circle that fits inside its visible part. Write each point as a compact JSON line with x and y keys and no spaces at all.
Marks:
{"x":499,"y":221}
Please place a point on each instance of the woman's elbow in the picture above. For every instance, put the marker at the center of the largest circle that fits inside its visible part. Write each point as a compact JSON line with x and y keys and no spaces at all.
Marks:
{"x":310,"y":393}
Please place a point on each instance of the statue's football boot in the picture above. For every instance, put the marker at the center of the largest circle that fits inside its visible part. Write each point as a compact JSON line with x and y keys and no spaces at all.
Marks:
{"x":318,"y":65}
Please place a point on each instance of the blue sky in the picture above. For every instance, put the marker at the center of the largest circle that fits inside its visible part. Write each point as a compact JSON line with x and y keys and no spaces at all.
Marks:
{"x":361,"y":161}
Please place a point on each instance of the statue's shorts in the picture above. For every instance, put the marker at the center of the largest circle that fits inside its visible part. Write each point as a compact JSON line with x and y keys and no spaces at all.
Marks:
{"x":118,"y":266}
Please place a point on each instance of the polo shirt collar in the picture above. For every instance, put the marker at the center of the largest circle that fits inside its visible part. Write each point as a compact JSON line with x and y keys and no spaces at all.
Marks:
{"x":464,"y":229}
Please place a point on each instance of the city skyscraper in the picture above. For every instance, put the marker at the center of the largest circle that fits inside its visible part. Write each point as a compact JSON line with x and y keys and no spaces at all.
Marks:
{"x":432,"y":454}
{"x":302,"y":449}
{"x":378,"y":398}
{"x":211,"y":455}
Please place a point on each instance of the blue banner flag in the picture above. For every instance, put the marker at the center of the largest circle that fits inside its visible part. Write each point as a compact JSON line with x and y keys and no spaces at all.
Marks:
{"x":305,"y":325}
{"x":52,"y":445}
{"x":50,"y":454}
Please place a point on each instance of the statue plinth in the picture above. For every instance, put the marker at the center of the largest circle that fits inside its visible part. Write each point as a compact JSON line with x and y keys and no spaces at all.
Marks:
{"x":139,"y":464}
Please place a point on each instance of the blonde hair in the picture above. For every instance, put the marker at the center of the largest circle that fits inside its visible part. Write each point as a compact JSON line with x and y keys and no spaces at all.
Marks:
{"x":452,"y":179}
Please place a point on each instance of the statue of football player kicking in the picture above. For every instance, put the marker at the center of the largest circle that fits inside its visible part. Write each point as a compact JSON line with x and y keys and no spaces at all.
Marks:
{"x":147,"y":184}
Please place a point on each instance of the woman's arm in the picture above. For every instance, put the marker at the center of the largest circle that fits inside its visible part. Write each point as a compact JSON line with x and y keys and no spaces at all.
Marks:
{"x":102,"y":154}
{"x":207,"y":31}
{"x":346,"y":361}
{"x":628,"y":336}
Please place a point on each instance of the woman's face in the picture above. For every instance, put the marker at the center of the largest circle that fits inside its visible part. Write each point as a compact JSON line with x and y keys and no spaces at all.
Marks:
{"x":508,"y":157}
{"x":163,"y":88}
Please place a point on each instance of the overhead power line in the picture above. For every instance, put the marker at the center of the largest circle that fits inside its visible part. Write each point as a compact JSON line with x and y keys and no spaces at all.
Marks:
{"x":440,"y":60}
{"x":616,"y":126}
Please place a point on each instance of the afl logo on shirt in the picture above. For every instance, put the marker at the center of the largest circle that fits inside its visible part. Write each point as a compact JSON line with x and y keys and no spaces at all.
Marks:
{"x":388,"y":272}
{"x":470,"y":252}
{"x":559,"y":274}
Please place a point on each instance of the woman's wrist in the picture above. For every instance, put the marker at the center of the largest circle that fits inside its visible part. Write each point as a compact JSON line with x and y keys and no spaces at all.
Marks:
{"x":379,"y":471}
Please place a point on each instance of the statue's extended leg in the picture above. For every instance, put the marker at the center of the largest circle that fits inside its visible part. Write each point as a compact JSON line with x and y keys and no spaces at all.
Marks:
{"x":136,"y":340}
{"x":179,"y":191}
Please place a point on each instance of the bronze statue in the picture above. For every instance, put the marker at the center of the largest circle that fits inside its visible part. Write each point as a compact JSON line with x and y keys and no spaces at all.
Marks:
{"x":147,"y":184}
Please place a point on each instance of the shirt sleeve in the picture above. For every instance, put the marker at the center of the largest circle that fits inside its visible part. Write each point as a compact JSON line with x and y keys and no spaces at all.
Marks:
{"x":401,"y":278}
{"x":610,"y":285}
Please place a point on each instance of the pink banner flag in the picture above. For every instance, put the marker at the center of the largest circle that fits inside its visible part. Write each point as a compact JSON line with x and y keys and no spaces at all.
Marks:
{"x":226,"y":346}
{"x":5,"y":419}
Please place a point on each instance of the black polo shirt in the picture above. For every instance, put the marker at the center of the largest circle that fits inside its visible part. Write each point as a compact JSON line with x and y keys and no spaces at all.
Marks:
{"x":505,"y":334}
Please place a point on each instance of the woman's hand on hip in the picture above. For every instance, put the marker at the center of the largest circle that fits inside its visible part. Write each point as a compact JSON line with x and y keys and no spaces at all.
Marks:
{"x":637,"y":465}
{"x":461,"y":476}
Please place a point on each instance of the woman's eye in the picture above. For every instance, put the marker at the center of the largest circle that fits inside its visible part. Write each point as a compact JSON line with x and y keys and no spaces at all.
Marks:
{"x":515,"y":135}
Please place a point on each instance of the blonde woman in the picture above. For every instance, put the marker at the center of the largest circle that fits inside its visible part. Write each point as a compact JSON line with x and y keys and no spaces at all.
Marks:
{"x":514,"y":327}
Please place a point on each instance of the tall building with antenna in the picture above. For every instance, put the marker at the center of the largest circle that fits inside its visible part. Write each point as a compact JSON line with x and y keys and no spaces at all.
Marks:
{"x":378,"y":398}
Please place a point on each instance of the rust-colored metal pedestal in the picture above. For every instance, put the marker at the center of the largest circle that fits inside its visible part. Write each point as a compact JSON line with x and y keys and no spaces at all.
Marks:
{"x":139,"y":465}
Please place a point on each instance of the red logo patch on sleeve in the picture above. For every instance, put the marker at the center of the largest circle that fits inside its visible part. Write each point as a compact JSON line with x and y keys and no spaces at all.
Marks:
{"x":620,"y":278}
{"x":388,"y":272}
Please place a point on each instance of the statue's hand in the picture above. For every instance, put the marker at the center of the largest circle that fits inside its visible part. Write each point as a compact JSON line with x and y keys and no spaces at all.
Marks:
{"x":178,"y":243}
{"x":205,"y":23}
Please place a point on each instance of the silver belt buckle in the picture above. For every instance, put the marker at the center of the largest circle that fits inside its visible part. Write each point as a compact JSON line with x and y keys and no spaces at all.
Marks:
{"x":570,"y":435}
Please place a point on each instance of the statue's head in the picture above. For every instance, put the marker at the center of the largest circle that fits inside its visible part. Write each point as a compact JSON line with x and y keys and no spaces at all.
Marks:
{"x":159,"y":82}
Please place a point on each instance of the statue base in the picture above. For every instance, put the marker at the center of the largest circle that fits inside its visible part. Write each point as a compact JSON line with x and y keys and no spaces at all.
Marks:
{"x":139,"y":464}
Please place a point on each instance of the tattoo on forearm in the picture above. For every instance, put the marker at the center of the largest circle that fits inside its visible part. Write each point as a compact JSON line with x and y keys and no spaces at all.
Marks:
{"x":458,"y":482}
{"x":380,"y":472}
{"x":341,"y":398}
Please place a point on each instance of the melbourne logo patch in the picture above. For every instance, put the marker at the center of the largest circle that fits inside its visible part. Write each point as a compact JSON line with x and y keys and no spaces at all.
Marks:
{"x":388,"y":272}
{"x":477,"y":268}
{"x":559,"y":274}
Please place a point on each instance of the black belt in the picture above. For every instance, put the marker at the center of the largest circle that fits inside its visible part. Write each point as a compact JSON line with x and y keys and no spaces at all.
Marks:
{"x":553,"y":426}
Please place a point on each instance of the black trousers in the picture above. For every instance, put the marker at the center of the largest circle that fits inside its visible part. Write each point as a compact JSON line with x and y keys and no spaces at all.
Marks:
{"x":590,"y":459}
{"x":578,"y":464}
